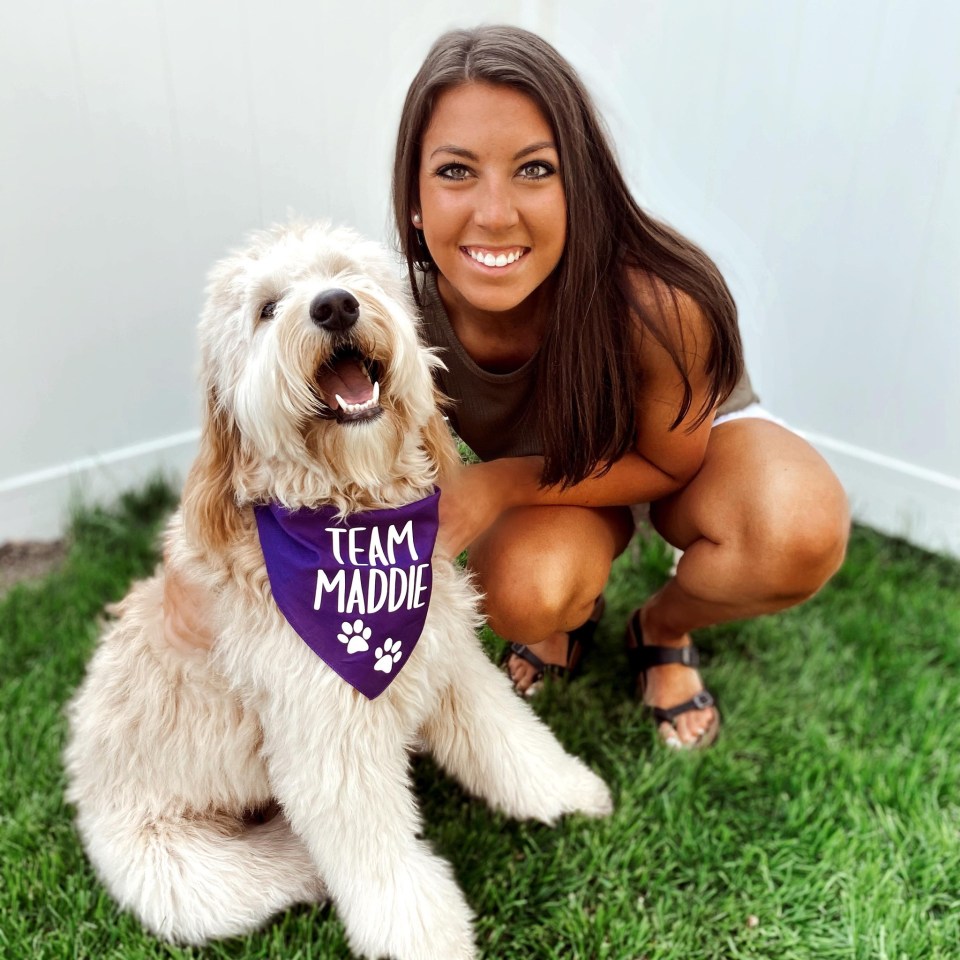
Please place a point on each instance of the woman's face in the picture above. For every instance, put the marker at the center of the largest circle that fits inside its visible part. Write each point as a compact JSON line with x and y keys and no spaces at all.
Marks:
{"x":491,"y":195}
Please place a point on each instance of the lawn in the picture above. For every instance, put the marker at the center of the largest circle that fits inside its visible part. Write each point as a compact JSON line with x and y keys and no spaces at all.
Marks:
{"x":823,"y":825}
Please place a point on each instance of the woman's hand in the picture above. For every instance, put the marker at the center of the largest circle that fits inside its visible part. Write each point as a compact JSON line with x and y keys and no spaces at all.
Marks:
{"x":186,"y":614}
{"x":472,"y":497}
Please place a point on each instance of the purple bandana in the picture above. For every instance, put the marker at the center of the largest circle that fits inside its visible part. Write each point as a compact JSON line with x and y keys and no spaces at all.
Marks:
{"x":355,"y":589}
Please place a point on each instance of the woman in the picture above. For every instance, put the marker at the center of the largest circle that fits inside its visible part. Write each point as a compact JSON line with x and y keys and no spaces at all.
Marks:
{"x":594,"y":362}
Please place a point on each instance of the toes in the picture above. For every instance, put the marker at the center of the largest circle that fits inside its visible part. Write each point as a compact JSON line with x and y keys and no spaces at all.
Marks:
{"x":671,"y":684}
{"x":694,"y":724}
{"x":668,"y":734}
{"x":687,"y":730}
{"x":520,"y":672}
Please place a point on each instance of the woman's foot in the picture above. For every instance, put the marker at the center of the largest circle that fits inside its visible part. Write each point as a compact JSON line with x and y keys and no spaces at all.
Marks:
{"x":525,"y":675}
{"x":559,"y":654}
{"x":669,"y":685}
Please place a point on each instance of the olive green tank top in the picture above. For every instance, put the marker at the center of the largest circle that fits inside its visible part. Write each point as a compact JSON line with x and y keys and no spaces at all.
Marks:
{"x":495,"y":413}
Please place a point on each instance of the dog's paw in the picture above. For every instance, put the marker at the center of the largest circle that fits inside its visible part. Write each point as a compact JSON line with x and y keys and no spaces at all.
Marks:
{"x":586,"y":793}
{"x":387,"y":655}
{"x":355,"y":635}
{"x":420,"y":915}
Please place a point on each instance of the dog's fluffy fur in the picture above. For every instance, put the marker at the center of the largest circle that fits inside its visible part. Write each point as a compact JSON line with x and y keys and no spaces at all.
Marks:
{"x":170,"y":750}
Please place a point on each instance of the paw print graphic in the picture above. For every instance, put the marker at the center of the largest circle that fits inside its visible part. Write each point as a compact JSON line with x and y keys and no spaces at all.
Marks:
{"x":388,"y":655}
{"x":355,"y":635}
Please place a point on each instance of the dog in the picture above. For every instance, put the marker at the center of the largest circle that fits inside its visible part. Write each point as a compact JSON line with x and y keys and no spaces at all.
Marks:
{"x":319,"y":396}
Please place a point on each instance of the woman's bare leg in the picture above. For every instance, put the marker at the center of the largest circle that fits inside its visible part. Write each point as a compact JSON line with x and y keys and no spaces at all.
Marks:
{"x":763,"y":525}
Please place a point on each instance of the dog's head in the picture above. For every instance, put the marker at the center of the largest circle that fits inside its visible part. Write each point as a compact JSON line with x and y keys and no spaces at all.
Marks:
{"x":317,"y":387}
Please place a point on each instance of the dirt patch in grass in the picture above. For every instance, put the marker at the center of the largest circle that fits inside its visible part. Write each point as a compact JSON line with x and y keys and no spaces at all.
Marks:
{"x":28,"y":560}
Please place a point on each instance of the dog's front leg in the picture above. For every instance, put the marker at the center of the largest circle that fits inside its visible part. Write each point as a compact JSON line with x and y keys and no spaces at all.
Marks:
{"x":495,"y":745}
{"x":342,"y":778}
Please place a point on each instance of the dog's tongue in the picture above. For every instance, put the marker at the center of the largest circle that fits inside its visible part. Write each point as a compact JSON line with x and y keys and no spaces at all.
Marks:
{"x":345,"y":377}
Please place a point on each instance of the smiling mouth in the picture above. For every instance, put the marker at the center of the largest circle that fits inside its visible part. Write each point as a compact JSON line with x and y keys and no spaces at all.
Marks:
{"x":495,"y":258}
{"x":348,"y":386}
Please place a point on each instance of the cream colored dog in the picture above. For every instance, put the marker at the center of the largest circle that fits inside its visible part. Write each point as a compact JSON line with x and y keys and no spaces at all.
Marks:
{"x":318,"y":393}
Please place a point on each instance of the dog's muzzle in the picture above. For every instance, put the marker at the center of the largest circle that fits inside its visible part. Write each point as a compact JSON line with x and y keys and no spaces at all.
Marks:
{"x":348,"y":381}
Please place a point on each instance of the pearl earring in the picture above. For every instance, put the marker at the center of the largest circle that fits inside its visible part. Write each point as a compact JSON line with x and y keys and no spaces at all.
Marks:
{"x":417,"y":220}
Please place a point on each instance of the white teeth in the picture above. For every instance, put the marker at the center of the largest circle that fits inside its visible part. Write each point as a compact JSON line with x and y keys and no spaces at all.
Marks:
{"x":357,"y":407}
{"x":495,"y":260}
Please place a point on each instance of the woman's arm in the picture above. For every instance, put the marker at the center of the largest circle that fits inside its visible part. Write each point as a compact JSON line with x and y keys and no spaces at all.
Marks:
{"x":664,"y":459}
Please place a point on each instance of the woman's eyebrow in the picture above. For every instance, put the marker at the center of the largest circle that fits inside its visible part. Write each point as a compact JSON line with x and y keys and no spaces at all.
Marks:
{"x":456,"y":151}
{"x":470,"y":155}
{"x":534,"y":147}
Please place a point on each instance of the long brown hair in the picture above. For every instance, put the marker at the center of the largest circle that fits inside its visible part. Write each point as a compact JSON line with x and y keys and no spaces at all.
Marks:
{"x":586,"y":382}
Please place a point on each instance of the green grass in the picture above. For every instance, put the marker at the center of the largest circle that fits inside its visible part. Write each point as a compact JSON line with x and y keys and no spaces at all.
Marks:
{"x":829,"y":810}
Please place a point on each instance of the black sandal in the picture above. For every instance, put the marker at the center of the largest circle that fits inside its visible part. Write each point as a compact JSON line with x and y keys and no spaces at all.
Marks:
{"x":642,"y":657}
{"x":579,"y":640}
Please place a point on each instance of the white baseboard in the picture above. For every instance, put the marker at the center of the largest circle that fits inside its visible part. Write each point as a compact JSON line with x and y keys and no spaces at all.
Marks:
{"x":895,"y":497}
{"x":36,"y":506}
{"x":892,"y":496}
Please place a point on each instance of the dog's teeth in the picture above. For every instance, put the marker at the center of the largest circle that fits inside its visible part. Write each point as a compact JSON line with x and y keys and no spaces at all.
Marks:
{"x":357,"y":407}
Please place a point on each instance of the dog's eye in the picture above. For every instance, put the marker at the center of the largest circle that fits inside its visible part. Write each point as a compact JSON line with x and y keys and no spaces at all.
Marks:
{"x":268,"y":310}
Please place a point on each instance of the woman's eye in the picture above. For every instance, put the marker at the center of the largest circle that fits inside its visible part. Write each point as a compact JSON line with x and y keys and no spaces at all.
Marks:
{"x":536,"y":170}
{"x":268,"y":310}
{"x":453,"y":171}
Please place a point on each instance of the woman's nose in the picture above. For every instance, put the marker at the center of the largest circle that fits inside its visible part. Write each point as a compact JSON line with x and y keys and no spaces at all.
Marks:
{"x":495,"y":209}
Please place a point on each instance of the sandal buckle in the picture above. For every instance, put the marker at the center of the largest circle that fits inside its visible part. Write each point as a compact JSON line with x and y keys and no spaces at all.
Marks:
{"x":702,"y":700}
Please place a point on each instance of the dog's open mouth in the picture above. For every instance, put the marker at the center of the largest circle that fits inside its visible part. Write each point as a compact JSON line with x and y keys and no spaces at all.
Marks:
{"x":348,"y":385}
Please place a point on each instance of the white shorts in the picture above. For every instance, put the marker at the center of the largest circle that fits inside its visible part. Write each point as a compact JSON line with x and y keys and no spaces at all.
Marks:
{"x":753,"y":411}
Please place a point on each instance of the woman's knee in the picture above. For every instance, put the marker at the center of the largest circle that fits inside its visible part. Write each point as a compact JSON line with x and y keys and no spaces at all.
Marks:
{"x":527,"y":606}
{"x":765,"y":523}
{"x":531,"y":593}
{"x":795,"y":537}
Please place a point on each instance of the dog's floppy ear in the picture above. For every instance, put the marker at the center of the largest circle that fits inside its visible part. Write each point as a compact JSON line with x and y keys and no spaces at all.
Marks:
{"x":210,"y":512}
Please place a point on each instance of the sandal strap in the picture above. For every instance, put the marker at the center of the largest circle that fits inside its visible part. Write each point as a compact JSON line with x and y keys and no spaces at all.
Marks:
{"x":525,"y":653}
{"x":654,"y":656}
{"x":699,"y":701}
{"x":641,"y":656}
{"x":540,"y":668}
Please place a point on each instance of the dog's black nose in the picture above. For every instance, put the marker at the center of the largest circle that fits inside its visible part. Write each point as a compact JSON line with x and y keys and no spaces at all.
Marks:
{"x":334,"y":310}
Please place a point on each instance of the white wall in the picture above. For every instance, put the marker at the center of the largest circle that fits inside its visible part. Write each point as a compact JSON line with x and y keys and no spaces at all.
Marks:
{"x":813,"y":148}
